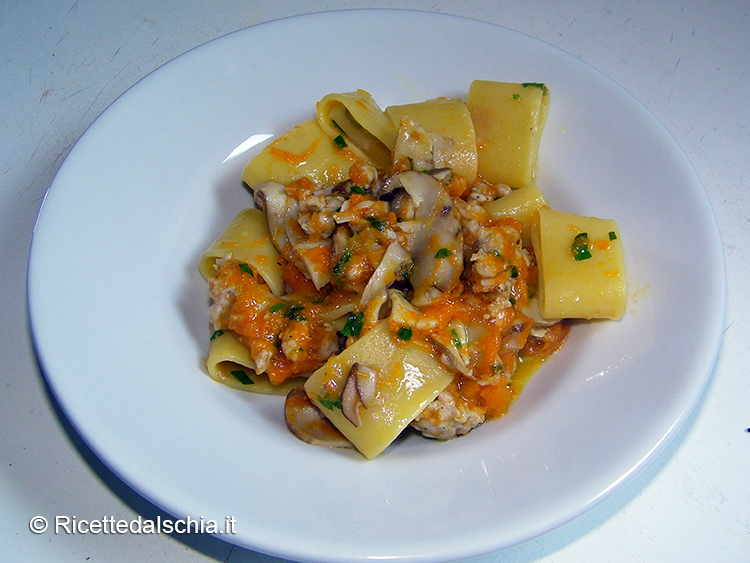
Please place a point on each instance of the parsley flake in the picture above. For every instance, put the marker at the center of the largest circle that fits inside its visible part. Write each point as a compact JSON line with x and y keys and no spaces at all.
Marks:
{"x":242,"y":377}
{"x":338,"y":267}
{"x":456,"y":339}
{"x":329,"y":402}
{"x":376,"y":223}
{"x":580,"y":247}
{"x":353,"y":325}
{"x":404,"y":333}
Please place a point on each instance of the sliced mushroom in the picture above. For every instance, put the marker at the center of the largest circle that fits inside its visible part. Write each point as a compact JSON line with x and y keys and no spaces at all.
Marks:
{"x":384,"y":275}
{"x":359,"y":392}
{"x":438,"y":245}
{"x":350,"y":401}
{"x":308,"y":424}
{"x":423,"y":149}
{"x":367,"y":384}
{"x":451,"y":357}
{"x":272,"y":198}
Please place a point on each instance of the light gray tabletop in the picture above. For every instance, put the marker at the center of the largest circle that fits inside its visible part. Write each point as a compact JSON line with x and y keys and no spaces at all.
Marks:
{"x":688,"y":62}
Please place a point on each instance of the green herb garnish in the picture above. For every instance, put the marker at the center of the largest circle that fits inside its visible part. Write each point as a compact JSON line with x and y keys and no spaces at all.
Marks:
{"x":242,"y":377}
{"x":293,"y":313}
{"x":443,"y":253}
{"x":245,"y":268}
{"x":376,"y":223}
{"x":513,"y":272}
{"x":339,"y":265}
{"x":405,"y":270}
{"x":612,"y":235}
{"x":277,"y":307}
{"x":580,"y":247}
{"x":329,"y":402}
{"x":456,"y":339}
{"x":353,"y":325}
{"x":404,"y":333}
{"x":216,"y":334}
{"x":541,"y":85}
{"x":357,"y":190}
{"x":516,"y":97}
{"x":340,"y":142}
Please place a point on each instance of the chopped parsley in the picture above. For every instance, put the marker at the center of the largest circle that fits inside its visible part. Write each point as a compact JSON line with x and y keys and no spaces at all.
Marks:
{"x":612,"y":235}
{"x":376,"y":223}
{"x":242,"y":377}
{"x":277,"y":307}
{"x":404,"y":271}
{"x":338,"y":267}
{"x":245,"y":268}
{"x":293,"y":313}
{"x":216,"y":334}
{"x":329,"y":402}
{"x":340,"y":142}
{"x":513,"y":272}
{"x":516,"y":97}
{"x":357,"y":190}
{"x":456,"y":339}
{"x":353,"y":325}
{"x":404,"y":333}
{"x":580,"y":247}
{"x":443,"y":253}
{"x":541,"y":85}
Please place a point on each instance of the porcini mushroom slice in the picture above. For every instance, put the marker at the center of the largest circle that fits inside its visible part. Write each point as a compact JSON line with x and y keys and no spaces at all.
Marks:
{"x":350,"y":401}
{"x":366,"y":380}
{"x":271,"y":198}
{"x":385,"y":274}
{"x":359,"y":392}
{"x":308,"y":424}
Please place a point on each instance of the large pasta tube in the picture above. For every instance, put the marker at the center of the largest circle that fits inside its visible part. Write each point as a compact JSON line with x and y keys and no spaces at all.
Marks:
{"x":581,"y":266}
{"x":508,"y":119}
{"x":247,"y":239}
{"x":450,"y":118}
{"x":364,"y":126}
{"x":229,"y":363}
{"x":392,"y":383}
{"x":522,"y":204}
{"x":306,"y":151}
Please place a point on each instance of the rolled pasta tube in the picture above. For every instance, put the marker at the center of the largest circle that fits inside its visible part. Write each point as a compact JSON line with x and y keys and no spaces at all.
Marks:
{"x":305,"y":151}
{"x":581,"y":266}
{"x":247,"y":240}
{"x":398,"y":380}
{"x":365,"y":127}
{"x":229,"y":363}
{"x":522,"y":204}
{"x":450,"y":118}
{"x":508,"y":119}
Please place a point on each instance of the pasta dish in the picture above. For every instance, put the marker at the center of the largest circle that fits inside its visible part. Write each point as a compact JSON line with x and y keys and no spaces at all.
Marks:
{"x":401,"y":268}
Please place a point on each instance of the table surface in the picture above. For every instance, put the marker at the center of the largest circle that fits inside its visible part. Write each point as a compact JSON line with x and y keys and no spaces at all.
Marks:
{"x":688,"y":62}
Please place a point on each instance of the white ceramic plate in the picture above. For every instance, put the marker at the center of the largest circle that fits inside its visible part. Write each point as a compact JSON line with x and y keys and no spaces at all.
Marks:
{"x":119,"y":311}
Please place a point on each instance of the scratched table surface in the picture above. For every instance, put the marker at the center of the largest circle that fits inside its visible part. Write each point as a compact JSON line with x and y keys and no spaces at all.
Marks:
{"x":688,"y":62}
